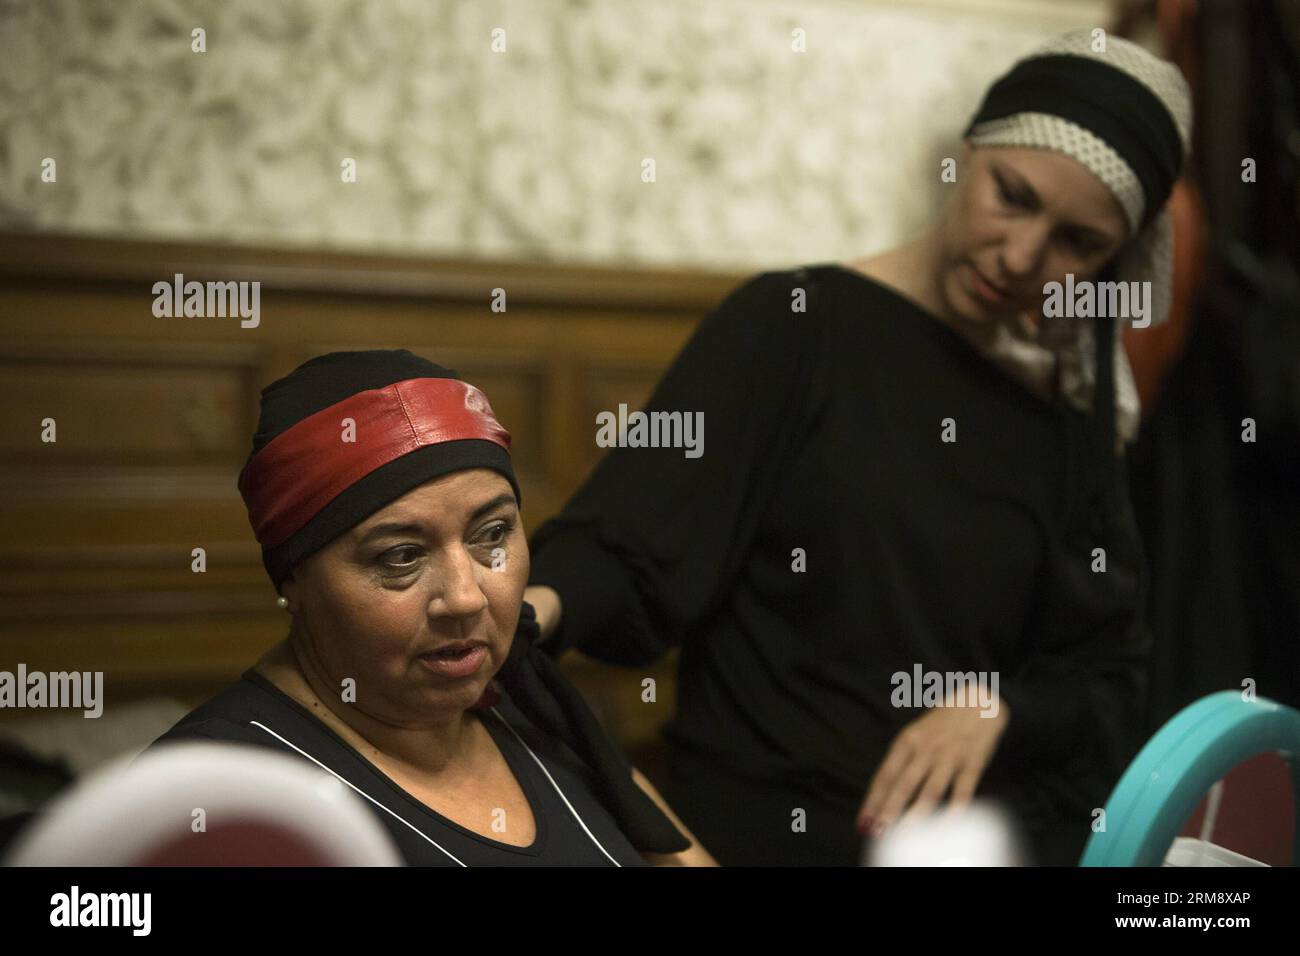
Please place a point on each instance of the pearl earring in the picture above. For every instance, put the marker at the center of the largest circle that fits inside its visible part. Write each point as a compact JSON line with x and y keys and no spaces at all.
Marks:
{"x":282,"y":602}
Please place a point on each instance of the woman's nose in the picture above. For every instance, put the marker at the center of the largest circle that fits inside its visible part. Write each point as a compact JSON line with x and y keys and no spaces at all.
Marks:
{"x":461,"y":595}
{"x":1023,"y":250}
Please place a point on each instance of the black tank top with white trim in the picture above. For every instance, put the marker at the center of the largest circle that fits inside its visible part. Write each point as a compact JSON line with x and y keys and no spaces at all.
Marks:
{"x":572,"y":827}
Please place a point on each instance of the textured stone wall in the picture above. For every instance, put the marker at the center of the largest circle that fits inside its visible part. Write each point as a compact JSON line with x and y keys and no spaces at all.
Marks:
{"x":761,"y":153}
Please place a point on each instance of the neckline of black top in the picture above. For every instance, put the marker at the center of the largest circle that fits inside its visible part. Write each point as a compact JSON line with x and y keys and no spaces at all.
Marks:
{"x":955,"y":341}
{"x":933,"y":321}
{"x":503,"y":741}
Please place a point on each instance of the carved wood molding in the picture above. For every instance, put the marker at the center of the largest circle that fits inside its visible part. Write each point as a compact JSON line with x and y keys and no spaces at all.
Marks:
{"x":44,"y":257}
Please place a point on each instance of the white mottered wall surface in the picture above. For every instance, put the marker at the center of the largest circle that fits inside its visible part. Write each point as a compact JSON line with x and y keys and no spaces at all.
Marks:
{"x":779,"y":131}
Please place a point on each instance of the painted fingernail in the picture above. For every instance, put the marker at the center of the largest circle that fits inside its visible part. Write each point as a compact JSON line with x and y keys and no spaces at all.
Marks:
{"x":864,"y":825}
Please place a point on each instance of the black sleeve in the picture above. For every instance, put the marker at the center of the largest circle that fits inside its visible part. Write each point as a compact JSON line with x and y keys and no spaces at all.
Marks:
{"x":1081,"y":690}
{"x":650,"y":542}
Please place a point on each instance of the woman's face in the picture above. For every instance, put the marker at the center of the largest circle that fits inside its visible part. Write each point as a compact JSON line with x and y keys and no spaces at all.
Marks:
{"x":1023,"y":218}
{"x":419,"y":602}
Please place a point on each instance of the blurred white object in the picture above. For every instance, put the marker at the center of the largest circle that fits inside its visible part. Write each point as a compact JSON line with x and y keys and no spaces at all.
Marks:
{"x":1189,"y":851}
{"x":257,"y":807}
{"x":977,"y":834}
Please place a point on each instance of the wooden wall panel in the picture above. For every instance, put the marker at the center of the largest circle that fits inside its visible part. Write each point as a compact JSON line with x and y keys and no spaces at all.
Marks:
{"x":155,"y":419}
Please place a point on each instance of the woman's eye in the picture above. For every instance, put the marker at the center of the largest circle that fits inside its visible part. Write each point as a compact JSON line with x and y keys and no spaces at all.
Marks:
{"x":1010,"y":198}
{"x":496,"y":533}
{"x":410,"y":552}
{"x":1083,"y":246}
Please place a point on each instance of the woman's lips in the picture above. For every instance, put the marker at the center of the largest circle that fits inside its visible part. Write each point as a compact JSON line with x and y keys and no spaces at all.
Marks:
{"x":457,"y":662}
{"x":984,"y":289}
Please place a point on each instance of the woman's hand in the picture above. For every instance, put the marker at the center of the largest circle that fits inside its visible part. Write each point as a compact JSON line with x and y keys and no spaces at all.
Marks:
{"x":946,"y":746}
{"x":546,"y":601}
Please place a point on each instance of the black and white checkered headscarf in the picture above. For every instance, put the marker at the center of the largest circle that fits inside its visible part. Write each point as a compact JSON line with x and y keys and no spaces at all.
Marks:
{"x":1126,"y":116}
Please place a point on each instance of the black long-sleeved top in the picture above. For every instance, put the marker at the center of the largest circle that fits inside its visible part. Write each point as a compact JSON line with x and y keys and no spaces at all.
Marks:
{"x":823,"y":432}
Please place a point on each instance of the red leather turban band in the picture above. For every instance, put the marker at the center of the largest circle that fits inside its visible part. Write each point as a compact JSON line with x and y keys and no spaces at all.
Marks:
{"x":343,"y":435}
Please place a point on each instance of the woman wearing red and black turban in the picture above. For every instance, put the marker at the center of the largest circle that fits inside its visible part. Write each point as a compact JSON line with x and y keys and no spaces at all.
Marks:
{"x":381,"y":490}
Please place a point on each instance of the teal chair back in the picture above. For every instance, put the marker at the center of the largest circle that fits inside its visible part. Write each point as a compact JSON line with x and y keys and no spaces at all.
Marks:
{"x":1167,"y":779}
